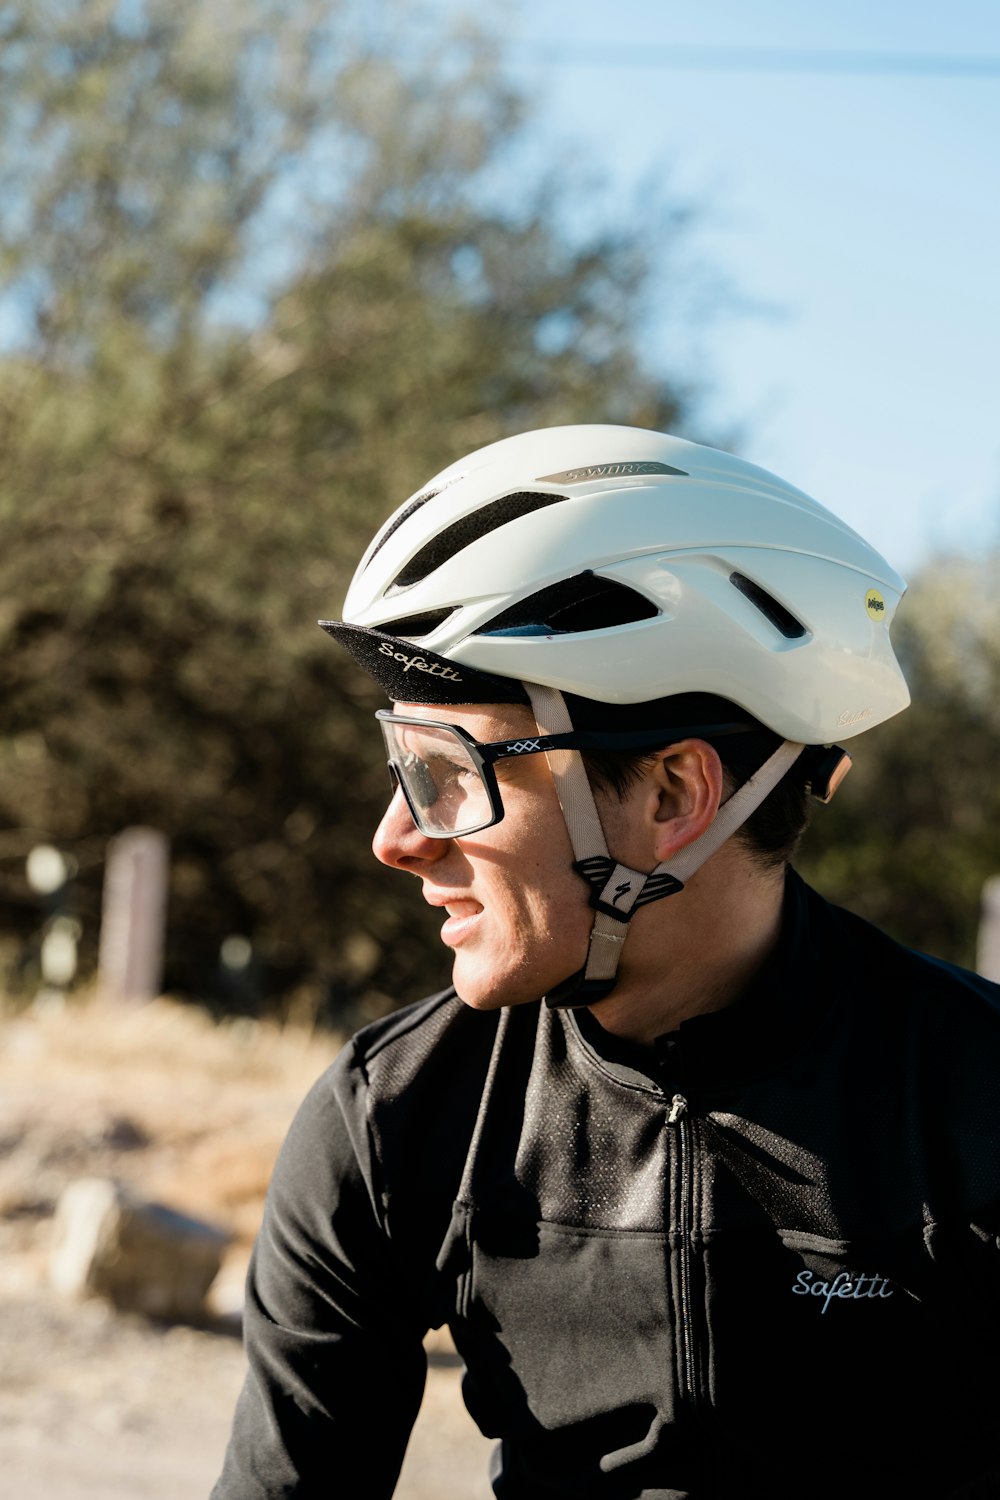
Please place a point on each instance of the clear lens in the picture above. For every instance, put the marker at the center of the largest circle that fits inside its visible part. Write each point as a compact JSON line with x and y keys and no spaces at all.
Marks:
{"x":442,"y":783}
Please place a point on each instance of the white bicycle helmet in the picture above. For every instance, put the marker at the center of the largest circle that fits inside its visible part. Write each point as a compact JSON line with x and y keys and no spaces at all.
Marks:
{"x":597,"y":572}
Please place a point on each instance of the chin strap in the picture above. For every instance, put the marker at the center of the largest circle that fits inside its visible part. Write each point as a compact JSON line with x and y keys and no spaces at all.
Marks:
{"x":615,"y":890}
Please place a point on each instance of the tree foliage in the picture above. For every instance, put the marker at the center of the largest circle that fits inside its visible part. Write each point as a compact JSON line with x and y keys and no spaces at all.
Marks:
{"x":261,"y":278}
{"x":915,"y":831}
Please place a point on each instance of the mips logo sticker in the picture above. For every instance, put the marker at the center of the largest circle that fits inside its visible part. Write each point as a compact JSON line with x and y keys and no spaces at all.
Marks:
{"x":875,"y":604}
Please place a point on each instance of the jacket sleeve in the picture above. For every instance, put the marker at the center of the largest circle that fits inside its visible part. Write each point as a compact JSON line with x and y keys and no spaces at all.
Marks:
{"x":336,"y":1360}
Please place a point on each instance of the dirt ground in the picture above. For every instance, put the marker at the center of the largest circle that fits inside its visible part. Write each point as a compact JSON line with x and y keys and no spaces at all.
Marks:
{"x":95,"y":1405}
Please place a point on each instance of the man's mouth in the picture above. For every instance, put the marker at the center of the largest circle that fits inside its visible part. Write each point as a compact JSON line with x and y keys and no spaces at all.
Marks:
{"x":467,"y":907}
{"x":463,"y":914}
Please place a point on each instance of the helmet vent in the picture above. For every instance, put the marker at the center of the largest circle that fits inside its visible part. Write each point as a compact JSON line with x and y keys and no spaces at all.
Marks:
{"x":791,"y":628}
{"x":469,"y":529}
{"x":583,"y":602}
{"x":415,"y":627}
{"x":405,"y":515}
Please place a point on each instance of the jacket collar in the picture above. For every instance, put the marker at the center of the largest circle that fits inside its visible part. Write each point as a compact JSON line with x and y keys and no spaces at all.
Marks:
{"x":776,"y":1016}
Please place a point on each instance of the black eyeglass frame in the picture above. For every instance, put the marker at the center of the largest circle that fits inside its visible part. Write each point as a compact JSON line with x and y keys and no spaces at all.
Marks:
{"x":484,"y":754}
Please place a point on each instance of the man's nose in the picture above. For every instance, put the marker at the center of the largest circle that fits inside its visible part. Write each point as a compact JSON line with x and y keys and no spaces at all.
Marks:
{"x":398,"y":841}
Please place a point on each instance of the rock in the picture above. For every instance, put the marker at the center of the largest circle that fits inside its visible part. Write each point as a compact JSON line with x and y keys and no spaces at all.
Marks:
{"x":143,"y":1257}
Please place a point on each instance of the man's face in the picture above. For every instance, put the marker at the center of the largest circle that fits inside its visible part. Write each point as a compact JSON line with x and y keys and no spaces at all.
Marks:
{"x":517,"y":914}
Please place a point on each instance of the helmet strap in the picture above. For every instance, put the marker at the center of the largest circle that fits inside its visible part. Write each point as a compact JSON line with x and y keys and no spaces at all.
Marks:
{"x":616,"y":890}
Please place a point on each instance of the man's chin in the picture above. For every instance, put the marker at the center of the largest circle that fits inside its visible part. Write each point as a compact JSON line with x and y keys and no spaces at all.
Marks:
{"x":482,"y":993}
{"x":482,"y":1002}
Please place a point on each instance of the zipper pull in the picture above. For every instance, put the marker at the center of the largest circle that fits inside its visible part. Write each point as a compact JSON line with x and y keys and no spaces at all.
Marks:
{"x":678,"y":1105}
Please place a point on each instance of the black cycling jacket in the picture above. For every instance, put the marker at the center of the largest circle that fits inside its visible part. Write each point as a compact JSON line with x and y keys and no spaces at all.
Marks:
{"x":757,"y":1260}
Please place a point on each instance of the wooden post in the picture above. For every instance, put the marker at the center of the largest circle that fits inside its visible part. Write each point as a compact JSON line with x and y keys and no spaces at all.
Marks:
{"x":133,"y":916}
{"x":988,"y":952}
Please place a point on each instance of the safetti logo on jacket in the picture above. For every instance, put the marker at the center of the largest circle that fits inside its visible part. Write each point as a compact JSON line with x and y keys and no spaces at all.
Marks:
{"x":854,"y":1288}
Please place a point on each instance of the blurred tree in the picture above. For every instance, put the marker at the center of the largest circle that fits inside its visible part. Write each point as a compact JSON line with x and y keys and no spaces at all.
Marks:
{"x":915,"y":831}
{"x":261,"y":277}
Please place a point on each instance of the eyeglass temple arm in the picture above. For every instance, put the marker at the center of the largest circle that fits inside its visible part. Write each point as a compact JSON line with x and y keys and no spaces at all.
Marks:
{"x":596,"y":740}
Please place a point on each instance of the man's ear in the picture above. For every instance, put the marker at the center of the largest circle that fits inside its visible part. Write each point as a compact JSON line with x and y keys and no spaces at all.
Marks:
{"x":689,"y":787}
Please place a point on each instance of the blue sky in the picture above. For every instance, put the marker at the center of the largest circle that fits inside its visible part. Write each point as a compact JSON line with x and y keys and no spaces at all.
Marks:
{"x":862,"y":211}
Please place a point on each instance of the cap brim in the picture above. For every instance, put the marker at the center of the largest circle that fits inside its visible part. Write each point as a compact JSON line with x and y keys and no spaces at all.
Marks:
{"x":409,"y":673}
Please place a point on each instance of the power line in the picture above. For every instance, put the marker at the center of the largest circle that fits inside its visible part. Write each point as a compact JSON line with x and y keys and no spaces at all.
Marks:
{"x":706,"y":57}
{"x":752,"y":59}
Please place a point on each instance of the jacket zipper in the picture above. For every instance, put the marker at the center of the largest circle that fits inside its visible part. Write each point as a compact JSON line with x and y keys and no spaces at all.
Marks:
{"x":681,"y":1120}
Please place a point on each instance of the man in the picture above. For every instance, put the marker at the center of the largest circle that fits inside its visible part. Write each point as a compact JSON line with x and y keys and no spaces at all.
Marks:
{"x":702,"y":1172}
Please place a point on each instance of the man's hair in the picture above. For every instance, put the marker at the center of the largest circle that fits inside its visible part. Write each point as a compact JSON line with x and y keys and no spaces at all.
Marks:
{"x":772,"y":832}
